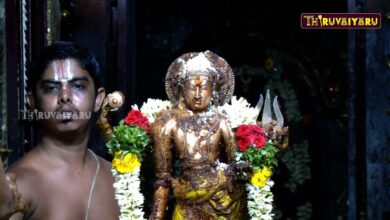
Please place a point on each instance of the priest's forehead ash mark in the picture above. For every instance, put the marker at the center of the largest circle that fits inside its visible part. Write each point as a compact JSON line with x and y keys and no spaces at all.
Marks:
{"x":62,"y":69}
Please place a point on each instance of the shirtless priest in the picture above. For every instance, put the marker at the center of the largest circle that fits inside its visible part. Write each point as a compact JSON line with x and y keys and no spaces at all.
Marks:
{"x":60,"y":178}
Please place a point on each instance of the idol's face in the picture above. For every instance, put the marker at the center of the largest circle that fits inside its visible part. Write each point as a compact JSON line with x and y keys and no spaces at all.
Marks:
{"x":66,"y":96}
{"x":197,"y":91}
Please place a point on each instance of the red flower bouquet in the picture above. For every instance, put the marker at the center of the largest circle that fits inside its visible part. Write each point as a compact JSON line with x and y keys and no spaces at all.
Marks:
{"x":136,"y":118}
{"x":250,"y":135}
{"x":254,"y":147}
{"x":130,"y":135}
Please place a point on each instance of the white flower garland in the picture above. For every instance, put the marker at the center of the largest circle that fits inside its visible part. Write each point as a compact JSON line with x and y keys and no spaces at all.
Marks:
{"x":260,"y":200}
{"x":128,"y":194}
{"x":127,"y":185}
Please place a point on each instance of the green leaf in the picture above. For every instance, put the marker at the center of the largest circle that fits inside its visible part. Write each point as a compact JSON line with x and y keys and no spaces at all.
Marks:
{"x":259,"y":157}
{"x":129,"y":139}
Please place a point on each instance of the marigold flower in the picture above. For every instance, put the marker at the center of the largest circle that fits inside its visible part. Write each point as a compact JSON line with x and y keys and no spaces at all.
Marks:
{"x":127,"y":164}
{"x":266,"y":171}
{"x":258,"y":179}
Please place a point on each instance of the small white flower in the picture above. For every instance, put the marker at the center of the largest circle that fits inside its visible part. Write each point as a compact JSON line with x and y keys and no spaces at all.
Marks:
{"x":151,"y":107}
{"x":128,"y":194}
{"x":221,"y":166}
{"x":260,"y":201}
{"x":239,"y":112}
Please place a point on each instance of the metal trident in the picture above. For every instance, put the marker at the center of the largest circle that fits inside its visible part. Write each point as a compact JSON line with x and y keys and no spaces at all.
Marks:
{"x":267,"y":113}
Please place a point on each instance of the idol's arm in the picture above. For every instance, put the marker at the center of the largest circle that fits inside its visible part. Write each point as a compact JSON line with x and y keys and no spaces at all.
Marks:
{"x":229,"y":140}
{"x":161,"y":132}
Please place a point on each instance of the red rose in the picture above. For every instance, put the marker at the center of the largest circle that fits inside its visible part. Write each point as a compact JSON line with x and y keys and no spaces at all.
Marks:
{"x":243,"y":130}
{"x":243,"y":145}
{"x":248,"y":135}
{"x":136,"y":118}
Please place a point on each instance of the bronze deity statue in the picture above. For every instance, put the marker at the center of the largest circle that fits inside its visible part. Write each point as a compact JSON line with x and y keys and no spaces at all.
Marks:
{"x":196,"y":83}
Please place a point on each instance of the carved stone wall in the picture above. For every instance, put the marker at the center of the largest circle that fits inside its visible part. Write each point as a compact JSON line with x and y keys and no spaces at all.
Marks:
{"x":377,"y":106}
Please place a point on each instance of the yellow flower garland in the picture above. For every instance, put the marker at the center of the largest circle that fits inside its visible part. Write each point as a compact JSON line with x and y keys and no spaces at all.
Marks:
{"x":259,"y":178}
{"x":127,"y":164}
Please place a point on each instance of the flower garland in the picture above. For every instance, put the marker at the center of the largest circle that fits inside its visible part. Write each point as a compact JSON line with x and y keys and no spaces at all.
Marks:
{"x":127,"y":145}
{"x":260,"y":201}
{"x":255,"y":148}
{"x":298,"y":168}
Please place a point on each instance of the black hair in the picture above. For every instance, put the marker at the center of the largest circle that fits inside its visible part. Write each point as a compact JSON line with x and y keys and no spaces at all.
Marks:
{"x":59,"y":51}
